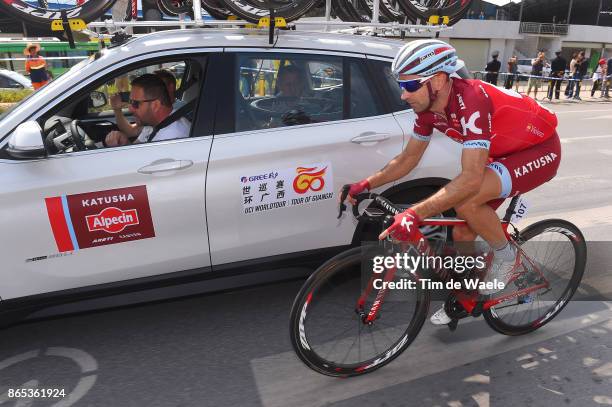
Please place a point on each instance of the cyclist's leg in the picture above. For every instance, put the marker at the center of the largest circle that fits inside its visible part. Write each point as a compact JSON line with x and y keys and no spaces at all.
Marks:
{"x":518,"y":173}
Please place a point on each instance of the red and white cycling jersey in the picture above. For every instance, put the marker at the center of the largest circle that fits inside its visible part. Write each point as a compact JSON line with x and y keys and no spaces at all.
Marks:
{"x":480,"y":115}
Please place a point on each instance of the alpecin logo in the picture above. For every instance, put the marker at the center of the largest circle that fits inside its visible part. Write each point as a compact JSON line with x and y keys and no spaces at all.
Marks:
{"x":112,"y":220}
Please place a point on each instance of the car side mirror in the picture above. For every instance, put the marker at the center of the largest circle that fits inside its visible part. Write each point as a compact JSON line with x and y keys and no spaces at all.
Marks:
{"x":97,"y":99}
{"x":27,"y":141}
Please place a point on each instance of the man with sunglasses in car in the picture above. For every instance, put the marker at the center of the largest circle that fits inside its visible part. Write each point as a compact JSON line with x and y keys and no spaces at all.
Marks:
{"x":510,"y":146}
{"x":151,"y":107}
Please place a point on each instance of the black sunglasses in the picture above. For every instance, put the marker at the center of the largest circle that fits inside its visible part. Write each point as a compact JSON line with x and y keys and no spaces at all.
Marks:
{"x":136,"y":103}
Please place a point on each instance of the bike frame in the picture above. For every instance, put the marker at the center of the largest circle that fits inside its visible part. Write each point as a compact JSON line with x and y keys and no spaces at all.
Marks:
{"x":471,"y":302}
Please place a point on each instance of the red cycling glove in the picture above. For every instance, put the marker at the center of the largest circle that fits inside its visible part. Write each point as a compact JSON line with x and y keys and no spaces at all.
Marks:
{"x":359,"y":187}
{"x":405,"y":227}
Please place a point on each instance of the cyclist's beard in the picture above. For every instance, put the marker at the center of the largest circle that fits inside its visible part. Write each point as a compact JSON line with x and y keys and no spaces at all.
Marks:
{"x":432,"y":96}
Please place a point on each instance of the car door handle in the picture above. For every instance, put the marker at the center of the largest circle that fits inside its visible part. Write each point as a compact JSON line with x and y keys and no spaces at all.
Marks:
{"x":165,"y":166}
{"x":370,"y":137}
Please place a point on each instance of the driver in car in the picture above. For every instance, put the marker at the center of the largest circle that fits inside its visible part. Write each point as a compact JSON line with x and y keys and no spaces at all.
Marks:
{"x":290,"y":85}
{"x":290,"y":82}
{"x":133,"y":129}
{"x":151,"y":106}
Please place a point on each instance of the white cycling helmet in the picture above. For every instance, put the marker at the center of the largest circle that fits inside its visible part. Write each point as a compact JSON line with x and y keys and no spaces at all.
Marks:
{"x":425,"y":58}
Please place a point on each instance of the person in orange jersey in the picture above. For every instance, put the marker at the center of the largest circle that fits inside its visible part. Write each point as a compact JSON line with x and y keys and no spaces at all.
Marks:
{"x":36,"y":66}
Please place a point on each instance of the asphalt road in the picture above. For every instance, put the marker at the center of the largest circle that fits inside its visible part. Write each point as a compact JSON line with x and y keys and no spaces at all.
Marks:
{"x":232,"y":349}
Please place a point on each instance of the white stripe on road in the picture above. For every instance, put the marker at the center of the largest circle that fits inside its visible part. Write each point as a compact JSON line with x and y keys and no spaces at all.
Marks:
{"x":607,"y":116}
{"x":282,"y":380}
{"x":582,"y":218}
{"x":581,"y":111}
{"x":574,"y":139}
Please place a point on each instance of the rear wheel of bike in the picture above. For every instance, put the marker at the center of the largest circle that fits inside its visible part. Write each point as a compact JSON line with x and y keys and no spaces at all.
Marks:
{"x":327,"y":331}
{"x":47,"y":10}
{"x":175,"y":7}
{"x":423,"y":9}
{"x":288,"y":9}
{"x":216,"y":9}
{"x":557,"y":248}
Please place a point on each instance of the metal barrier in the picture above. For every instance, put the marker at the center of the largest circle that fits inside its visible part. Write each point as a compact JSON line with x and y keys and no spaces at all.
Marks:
{"x":521,"y":83}
{"x":544,"y":28}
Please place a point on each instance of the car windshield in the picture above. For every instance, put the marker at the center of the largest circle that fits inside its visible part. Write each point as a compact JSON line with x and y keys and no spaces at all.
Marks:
{"x":75,"y":68}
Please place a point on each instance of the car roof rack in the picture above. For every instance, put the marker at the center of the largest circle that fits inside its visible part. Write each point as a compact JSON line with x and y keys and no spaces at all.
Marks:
{"x":271,"y":23}
{"x":272,"y":26}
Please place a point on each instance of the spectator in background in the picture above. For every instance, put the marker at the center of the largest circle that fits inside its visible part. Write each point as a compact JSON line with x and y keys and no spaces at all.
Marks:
{"x":598,"y":77}
{"x":581,"y":69}
{"x":557,"y":70}
{"x":36,"y":66}
{"x":481,"y":16}
{"x":608,"y":74}
{"x":537,"y":66}
{"x":569,"y":89}
{"x":493,"y":68}
{"x":512,"y":71}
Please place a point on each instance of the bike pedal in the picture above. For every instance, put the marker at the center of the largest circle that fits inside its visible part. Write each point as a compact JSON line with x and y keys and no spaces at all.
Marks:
{"x":453,"y":325}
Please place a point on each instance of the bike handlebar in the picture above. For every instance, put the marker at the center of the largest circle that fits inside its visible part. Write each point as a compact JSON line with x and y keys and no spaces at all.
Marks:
{"x":379,"y":202}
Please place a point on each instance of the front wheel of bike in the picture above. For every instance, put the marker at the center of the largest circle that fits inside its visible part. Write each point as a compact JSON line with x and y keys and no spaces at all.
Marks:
{"x":557,"y":251}
{"x":43,"y":12}
{"x":328,"y":332}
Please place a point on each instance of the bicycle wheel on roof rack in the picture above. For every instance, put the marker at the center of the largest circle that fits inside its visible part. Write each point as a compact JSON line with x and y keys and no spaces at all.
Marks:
{"x":345,"y":11}
{"x":216,"y":9}
{"x":288,"y":9}
{"x":175,"y":7}
{"x":46,"y":11}
{"x":423,"y":9}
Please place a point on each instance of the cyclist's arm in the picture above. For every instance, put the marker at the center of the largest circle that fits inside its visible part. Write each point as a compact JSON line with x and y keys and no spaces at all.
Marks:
{"x":465,"y":185}
{"x":402,"y":164}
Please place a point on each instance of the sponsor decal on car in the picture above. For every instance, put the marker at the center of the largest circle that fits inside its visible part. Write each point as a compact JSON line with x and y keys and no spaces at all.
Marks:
{"x":100,"y":218}
{"x":309,"y":179}
{"x":287,"y":187}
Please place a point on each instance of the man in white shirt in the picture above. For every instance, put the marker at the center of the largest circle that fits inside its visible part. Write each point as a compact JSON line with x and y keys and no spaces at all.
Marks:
{"x":150,"y":105}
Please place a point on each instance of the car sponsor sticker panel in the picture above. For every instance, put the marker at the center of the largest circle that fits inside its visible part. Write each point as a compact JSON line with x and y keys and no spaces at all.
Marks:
{"x":275,"y":189}
{"x":100,"y":218}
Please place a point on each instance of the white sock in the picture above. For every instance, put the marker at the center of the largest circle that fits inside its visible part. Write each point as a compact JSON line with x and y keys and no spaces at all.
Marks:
{"x":505,"y":253}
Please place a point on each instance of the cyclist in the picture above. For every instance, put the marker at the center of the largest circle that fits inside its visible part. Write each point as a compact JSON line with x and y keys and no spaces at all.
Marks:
{"x":510,"y":146}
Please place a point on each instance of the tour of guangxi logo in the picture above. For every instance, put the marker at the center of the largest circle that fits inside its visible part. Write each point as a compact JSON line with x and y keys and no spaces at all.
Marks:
{"x":112,"y":220}
{"x":309,"y":178}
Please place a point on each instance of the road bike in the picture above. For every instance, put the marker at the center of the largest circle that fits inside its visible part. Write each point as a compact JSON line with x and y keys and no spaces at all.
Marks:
{"x":345,"y":321}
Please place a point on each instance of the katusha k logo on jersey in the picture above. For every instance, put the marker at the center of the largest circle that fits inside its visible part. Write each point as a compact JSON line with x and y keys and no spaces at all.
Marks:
{"x":100,"y":218}
{"x":112,"y":220}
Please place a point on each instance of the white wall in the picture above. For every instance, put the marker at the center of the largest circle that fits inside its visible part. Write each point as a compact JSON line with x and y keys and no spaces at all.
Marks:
{"x":485,"y":29}
{"x":589,"y":33}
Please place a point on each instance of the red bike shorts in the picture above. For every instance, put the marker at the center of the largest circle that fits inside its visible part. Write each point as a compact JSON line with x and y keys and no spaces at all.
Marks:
{"x":525,"y":170}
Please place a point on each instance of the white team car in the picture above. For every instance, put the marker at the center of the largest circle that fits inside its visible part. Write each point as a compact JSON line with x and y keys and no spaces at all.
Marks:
{"x":13,"y":80}
{"x":249,"y":196}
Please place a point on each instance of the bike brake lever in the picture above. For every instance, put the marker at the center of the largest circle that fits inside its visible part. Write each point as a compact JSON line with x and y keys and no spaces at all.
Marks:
{"x":343,"y":195}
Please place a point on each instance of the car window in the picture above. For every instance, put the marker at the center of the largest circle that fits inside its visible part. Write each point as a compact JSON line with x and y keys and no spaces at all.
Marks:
{"x":383,"y":77}
{"x":6,"y":82}
{"x":363,"y":101}
{"x":100,"y":126}
{"x":287,"y":89}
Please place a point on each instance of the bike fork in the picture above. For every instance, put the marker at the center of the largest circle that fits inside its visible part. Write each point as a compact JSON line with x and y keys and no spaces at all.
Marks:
{"x":380,"y":296}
